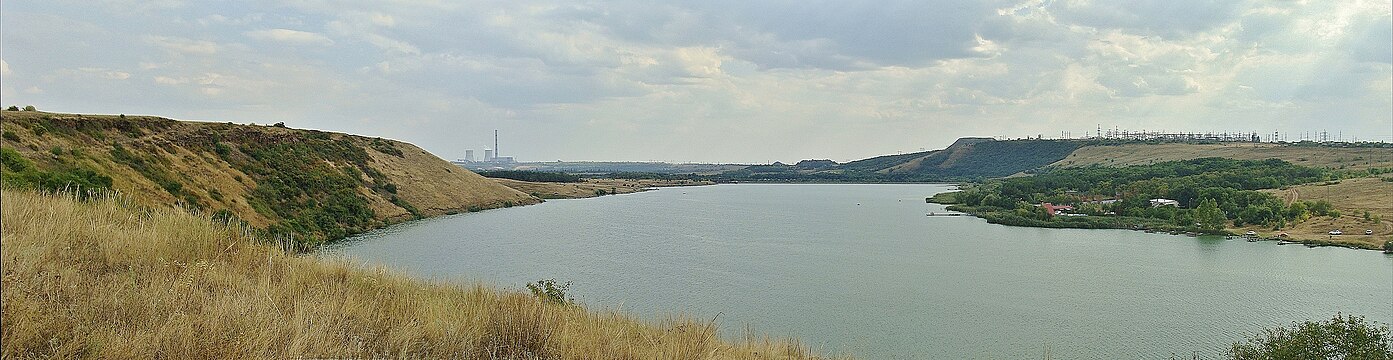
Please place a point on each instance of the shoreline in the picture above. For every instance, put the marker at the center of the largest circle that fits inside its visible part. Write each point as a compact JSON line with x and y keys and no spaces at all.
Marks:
{"x":1227,"y":232}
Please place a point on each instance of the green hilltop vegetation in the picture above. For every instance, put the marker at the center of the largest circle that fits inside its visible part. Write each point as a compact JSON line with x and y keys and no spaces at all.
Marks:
{"x":302,"y":185}
{"x":1213,"y":194}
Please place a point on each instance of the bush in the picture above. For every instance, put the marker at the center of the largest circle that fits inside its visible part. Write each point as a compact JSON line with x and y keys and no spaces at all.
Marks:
{"x":549,"y":291}
{"x":1340,"y":337}
{"x":30,"y":108}
{"x":20,"y":172}
{"x":12,"y":108}
{"x":10,"y":136}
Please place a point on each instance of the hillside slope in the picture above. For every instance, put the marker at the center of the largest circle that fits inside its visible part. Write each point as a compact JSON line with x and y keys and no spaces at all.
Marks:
{"x":1312,"y":156}
{"x":976,"y":157}
{"x":315,"y":185}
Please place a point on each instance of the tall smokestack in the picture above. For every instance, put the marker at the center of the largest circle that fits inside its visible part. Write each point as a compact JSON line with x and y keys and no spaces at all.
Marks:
{"x":495,"y":143}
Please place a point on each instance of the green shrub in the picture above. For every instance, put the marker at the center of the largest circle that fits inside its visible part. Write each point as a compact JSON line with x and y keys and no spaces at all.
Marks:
{"x":30,"y":108}
{"x":12,"y":108}
{"x":1339,"y":338}
{"x":548,"y":290}
{"x":9,"y":135}
{"x":20,"y":172}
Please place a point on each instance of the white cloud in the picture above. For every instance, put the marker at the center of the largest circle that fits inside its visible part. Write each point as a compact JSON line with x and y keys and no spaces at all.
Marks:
{"x":290,"y":36}
{"x":183,"y":45}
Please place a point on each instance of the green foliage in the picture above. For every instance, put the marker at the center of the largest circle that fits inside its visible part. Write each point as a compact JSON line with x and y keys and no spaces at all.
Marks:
{"x":599,"y":192}
{"x":309,"y":183}
{"x":11,"y":136}
{"x":30,"y":108}
{"x":534,"y":176}
{"x":1388,"y":246}
{"x":19,"y":172}
{"x":406,"y":205}
{"x":56,"y":151}
{"x":1211,"y":191}
{"x":386,"y":147}
{"x":148,"y":167}
{"x":1341,"y":337}
{"x":1208,"y":216}
{"x":638,"y":175}
{"x":548,"y":290}
{"x":12,"y":108}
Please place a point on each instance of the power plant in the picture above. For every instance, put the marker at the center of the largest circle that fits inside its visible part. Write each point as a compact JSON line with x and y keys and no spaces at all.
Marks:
{"x":491,"y":156}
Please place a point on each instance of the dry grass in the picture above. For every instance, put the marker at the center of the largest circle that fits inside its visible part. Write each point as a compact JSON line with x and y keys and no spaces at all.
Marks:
{"x":1352,"y":197}
{"x":108,"y":279}
{"x":587,"y":188}
{"x":1142,"y":154}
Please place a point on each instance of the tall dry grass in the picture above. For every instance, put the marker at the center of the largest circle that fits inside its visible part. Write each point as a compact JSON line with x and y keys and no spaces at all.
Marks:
{"x":106,"y":279}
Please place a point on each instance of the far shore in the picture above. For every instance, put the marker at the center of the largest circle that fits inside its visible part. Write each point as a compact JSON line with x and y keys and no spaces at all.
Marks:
{"x":588,"y":188}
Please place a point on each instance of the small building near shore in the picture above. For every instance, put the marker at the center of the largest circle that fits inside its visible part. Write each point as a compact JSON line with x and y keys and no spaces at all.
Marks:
{"x":1164,"y":202}
{"x":1056,"y":209}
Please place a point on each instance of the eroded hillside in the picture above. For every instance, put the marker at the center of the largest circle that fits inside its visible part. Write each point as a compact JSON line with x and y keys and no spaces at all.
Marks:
{"x":314,"y":184}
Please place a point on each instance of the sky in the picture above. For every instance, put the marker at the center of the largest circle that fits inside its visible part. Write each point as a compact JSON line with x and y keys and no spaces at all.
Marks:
{"x":712,"y":81}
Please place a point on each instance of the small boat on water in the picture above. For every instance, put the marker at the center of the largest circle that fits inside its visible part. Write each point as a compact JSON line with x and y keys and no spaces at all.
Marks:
{"x":1282,"y":242}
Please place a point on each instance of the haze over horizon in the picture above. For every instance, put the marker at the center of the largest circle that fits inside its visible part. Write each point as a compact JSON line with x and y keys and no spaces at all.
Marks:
{"x":712,"y":81}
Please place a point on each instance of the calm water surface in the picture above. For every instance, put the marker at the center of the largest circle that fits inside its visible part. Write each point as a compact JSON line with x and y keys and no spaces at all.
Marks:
{"x":861,"y":269}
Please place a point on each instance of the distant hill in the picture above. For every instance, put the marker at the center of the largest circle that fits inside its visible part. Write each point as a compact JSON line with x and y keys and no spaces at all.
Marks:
{"x":1331,"y":156}
{"x":315,"y":185}
{"x":966,"y":159}
{"x":973,"y":158}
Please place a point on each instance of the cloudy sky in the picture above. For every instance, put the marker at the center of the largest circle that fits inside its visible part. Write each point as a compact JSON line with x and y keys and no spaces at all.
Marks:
{"x":711,"y":81}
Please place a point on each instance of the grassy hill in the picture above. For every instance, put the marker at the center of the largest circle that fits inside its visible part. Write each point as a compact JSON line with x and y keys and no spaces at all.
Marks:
{"x":311,"y":185}
{"x":1331,"y":157}
{"x":105,"y":278}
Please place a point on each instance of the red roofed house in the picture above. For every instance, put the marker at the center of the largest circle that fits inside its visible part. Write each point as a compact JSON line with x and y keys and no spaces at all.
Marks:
{"x":1056,"y":209}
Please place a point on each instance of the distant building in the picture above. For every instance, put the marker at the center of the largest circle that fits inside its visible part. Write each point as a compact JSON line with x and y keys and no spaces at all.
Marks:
{"x":488,"y":155}
{"x":1056,"y":209}
{"x":469,"y":155}
{"x":1164,"y":202}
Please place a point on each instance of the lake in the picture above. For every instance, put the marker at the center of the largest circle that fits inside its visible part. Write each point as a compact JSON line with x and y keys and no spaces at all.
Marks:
{"x":860,"y":269}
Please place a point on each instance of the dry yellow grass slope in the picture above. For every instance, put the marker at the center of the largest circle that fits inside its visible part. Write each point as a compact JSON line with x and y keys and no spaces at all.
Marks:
{"x":110,"y":279}
{"x":1352,"y":197}
{"x":1142,"y":154}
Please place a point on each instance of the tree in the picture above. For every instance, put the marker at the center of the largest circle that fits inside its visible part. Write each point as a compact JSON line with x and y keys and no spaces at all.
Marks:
{"x":1388,"y":246}
{"x":12,"y":108}
{"x":1209,"y":216}
{"x":1341,"y":337}
{"x":30,"y":108}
